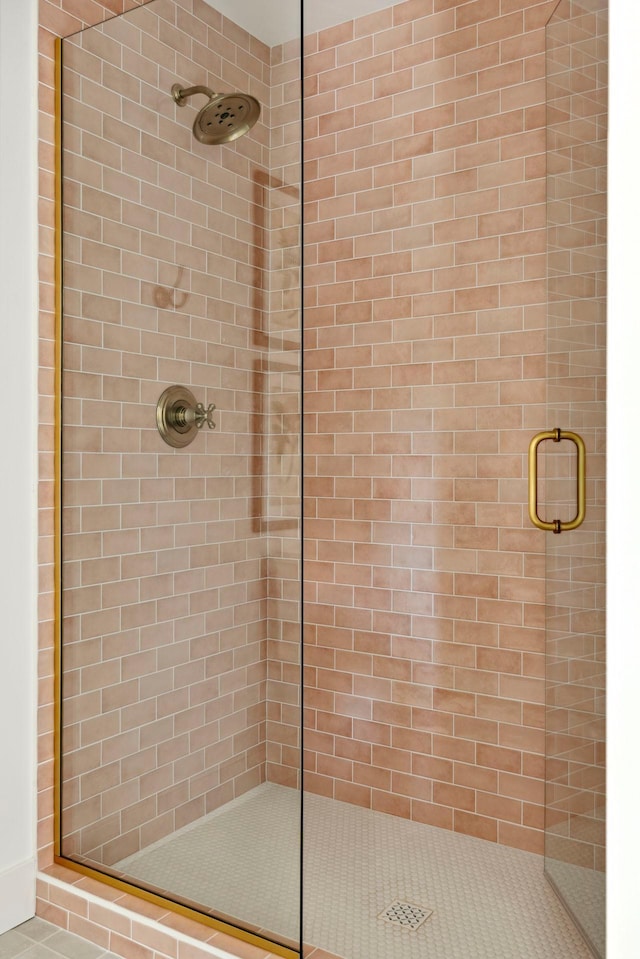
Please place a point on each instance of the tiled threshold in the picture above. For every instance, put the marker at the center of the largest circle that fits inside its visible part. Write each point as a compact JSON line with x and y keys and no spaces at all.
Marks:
{"x":38,"y":939}
{"x":121,"y":924}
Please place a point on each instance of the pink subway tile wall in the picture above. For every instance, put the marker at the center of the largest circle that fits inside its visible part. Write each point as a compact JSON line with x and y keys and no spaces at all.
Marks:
{"x":424,"y":358}
{"x":165,"y":598}
{"x":577,"y":167}
{"x":178,"y":565}
{"x":55,"y":20}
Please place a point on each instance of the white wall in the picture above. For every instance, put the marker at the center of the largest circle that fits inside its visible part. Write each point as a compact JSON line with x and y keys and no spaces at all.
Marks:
{"x":274,"y":21}
{"x":18,"y":364}
{"x":623,"y":491}
{"x":18,"y":592}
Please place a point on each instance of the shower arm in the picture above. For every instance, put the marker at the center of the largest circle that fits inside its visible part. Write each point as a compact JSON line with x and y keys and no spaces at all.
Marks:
{"x":180,"y":94}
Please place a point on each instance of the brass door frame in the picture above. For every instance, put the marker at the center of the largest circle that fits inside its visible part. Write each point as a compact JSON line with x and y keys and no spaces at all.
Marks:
{"x":115,"y":882}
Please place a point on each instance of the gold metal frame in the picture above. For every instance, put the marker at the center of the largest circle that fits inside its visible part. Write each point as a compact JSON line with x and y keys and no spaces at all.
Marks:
{"x":189,"y":912}
{"x":57,"y":453}
{"x":556,"y":525}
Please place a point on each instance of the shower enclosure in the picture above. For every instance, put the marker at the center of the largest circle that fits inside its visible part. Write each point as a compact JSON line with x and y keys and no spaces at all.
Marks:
{"x":189,"y":677}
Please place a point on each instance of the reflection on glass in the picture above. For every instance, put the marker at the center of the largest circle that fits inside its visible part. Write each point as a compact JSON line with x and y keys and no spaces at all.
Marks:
{"x":576,"y":229}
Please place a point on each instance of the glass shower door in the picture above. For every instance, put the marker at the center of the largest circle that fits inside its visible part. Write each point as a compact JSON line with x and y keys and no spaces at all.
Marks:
{"x":179,"y":647}
{"x":575,"y":559}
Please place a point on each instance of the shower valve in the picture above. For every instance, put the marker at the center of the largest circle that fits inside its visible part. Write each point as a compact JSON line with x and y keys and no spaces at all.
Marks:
{"x":179,"y":417}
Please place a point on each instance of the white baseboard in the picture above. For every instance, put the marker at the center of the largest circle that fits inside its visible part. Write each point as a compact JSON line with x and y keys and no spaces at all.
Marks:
{"x":17,"y":894}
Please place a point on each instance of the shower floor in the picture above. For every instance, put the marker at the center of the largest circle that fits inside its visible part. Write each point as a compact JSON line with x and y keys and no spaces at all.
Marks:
{"x":584,"y":893}
{"x":488,"y":901}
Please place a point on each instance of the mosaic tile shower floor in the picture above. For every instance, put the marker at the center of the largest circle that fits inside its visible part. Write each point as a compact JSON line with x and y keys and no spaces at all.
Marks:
{"x":488,"y":901}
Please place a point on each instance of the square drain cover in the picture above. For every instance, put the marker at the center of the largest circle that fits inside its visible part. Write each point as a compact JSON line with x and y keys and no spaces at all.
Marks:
{"x":405,"y":914}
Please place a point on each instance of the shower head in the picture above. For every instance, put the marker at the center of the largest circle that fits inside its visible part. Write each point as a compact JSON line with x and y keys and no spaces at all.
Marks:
{"x":225,"y":117}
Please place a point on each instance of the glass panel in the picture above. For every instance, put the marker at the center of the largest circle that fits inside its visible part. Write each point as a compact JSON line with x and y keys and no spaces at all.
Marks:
{"x":576,"y":228}
{"x":181,"y":563}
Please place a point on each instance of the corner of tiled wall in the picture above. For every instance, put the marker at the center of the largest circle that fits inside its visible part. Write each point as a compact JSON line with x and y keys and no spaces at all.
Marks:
{"x":425,"y":319}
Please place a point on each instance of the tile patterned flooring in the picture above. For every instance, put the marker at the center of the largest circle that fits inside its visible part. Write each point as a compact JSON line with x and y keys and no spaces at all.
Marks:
{"x":254,"y":842}
{"x":482,"y":901}
{"x":37,"y":939}
{"x":488,"y":901}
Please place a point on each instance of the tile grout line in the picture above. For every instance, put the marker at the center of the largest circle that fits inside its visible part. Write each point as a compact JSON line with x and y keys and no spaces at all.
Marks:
{"x":143,"y":920}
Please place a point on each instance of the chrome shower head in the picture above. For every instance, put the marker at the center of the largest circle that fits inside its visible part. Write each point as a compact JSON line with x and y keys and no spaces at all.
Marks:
{"x":225,"y":117}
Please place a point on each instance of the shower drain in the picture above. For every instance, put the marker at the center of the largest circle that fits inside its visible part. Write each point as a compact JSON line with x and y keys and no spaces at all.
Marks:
{"x":405,"y":914}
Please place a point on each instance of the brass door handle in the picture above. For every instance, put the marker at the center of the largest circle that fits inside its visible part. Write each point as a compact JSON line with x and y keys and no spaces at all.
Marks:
{"x":556,"y":525}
